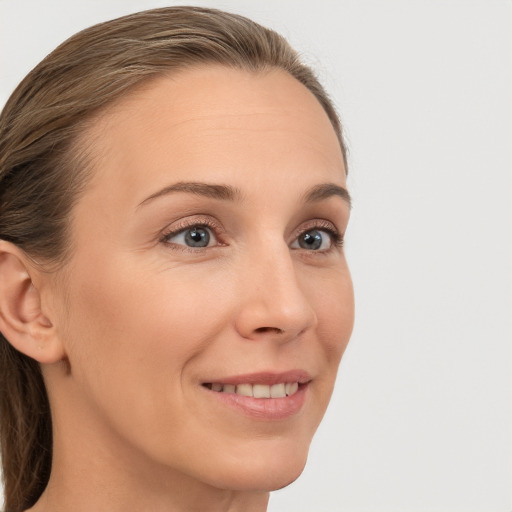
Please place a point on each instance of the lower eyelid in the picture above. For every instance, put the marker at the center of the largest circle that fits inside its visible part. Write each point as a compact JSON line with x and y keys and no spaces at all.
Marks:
{"x":336,"y":240}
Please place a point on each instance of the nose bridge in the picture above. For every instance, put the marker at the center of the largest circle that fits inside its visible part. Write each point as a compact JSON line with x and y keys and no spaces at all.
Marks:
{"x":273,"y":300}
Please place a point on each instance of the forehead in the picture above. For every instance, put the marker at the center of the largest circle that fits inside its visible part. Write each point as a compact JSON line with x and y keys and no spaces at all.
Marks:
{"x":214,"y":123}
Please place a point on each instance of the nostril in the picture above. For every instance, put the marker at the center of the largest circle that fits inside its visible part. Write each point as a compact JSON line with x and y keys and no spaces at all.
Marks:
{"x":268,"y":329}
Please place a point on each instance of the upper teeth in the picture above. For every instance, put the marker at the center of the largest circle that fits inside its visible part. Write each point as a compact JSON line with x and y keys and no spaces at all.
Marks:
{"x":280,"y":390}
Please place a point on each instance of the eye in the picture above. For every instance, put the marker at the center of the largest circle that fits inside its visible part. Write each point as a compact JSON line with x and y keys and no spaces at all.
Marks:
{"x":314,"y":240}
{"x":194,"y":236}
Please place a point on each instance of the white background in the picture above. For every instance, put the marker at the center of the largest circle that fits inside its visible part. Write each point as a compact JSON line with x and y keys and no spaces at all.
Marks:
{"x":422,"y":416}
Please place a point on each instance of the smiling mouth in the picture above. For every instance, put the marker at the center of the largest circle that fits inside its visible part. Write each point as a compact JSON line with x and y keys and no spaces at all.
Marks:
{"x":279,"y":390}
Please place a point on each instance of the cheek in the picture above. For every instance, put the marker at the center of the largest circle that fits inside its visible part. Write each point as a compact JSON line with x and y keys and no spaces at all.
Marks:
{"x":331,"y":294}
{"x":141,"y":319}
{"x":131,"y":340}
{"x":334,"y":306}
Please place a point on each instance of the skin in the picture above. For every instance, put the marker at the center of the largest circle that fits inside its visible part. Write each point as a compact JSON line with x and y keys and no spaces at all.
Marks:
{"x":142,"y":320}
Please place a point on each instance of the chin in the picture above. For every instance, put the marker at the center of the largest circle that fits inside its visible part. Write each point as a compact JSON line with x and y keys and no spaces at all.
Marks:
{"x":288,"y":479}
{"x":268,"y":471}
{"x":265,"y":480}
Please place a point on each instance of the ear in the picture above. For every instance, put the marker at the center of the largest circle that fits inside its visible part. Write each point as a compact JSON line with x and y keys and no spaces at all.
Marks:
{"x":22,"y":320}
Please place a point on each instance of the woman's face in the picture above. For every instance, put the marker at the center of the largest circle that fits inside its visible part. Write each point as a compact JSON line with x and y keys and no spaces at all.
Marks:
{"x":207,"y":265}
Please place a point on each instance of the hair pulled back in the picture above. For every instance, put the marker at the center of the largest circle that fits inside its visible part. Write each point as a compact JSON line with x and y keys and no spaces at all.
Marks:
{"x":43,"y":170}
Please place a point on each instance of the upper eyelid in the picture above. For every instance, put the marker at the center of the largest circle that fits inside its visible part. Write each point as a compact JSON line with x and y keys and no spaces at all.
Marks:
{"x":196,"y":221}
{"x":209,"y":222}
{"x":318,"y":224}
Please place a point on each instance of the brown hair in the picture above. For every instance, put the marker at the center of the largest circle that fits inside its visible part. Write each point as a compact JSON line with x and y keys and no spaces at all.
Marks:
{"x":43,"y":169}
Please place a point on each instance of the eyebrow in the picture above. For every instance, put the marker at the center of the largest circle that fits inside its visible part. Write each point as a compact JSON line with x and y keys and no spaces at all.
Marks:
{"x":325,"y":191}
{"x":229,"y":193}
{"x":222,"y":192}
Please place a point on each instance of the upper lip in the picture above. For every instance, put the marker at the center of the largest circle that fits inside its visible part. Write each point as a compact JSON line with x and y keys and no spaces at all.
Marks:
{"x":267,"y":377}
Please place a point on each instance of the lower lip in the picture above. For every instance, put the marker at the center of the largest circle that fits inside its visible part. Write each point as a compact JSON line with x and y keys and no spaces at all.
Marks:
{"x":266,"y":409}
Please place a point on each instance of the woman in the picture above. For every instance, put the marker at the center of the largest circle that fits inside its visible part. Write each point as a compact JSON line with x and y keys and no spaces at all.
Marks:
{"x":174,"y":296}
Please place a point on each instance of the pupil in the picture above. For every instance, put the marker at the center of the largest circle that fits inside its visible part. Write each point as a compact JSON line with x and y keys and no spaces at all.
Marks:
{"x":197,"y":237}
{"x":311,"y":240}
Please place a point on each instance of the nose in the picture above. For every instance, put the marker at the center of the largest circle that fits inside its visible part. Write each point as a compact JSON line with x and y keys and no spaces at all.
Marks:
{"x":273,"y":303}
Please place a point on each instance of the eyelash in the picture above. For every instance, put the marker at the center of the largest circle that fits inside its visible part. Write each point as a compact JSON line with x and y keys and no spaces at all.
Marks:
{"x":195,"y":223}
{"x":337,"y":239}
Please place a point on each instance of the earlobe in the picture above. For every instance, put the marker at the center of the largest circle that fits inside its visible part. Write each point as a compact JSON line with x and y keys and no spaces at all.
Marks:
{"x":22,"y":320}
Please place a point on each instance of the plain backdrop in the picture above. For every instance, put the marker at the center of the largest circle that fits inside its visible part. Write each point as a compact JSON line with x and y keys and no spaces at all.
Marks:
{"x":421,"y":420}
